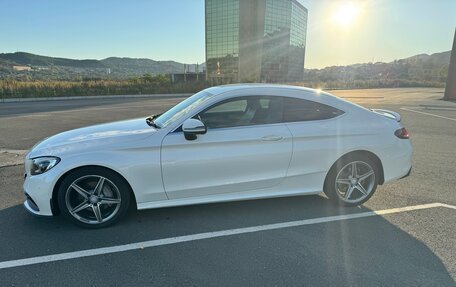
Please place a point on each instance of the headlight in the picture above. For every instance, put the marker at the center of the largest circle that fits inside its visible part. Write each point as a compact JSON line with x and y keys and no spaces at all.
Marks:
{"x":42,"y":164}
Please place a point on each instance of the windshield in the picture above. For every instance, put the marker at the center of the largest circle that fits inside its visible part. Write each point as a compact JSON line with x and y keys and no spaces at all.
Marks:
{"x":182,"y":109}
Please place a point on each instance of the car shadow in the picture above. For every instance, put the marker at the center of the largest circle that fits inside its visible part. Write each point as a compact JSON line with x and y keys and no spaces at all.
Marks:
{"x":367,"y":251}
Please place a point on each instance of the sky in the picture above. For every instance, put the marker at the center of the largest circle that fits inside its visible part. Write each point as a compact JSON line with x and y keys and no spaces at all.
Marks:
{"x":340,"y":32}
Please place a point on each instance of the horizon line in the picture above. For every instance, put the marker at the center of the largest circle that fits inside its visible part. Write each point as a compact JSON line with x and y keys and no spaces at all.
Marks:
{"x":204,"y":62}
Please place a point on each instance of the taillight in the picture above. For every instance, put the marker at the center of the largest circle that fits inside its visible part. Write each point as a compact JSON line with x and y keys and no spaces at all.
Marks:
{"x":402,"y":133}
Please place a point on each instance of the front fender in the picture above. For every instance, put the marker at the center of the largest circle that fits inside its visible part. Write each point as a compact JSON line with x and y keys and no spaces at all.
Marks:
{"x":140,"y":168}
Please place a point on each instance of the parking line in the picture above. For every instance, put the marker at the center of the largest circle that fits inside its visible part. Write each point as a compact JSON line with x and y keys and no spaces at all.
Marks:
{"x":208,"y":235}
{"x":448,"y":206}
{"x":428,"y":114}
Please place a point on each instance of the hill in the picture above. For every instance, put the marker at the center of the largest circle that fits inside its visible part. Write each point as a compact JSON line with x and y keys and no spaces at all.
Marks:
{"x":27,"y":59}
{"x":418,"y":70}
{"x":52,"y":68}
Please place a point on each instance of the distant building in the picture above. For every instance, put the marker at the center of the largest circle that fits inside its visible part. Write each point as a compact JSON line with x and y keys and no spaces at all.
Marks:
{"x":255,"y":40}
{"x":22,"y":68}
{"x":187,"y":77}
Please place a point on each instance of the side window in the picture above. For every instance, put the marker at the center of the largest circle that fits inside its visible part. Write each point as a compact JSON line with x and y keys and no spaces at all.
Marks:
{"x":298,"y":110}
{"x":238,"y":106}
{"x":244,"y":111}
{"x":225,"y":114}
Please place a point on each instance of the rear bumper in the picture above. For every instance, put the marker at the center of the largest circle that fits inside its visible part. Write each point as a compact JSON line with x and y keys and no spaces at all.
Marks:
{"x":397,"y":160}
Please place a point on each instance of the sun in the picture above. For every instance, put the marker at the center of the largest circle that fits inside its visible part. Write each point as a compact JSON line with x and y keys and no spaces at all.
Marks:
{"x":345,"y":14}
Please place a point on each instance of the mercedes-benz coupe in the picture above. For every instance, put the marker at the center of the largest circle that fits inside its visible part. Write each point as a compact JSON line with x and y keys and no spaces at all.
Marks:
{"x":226,"y":143}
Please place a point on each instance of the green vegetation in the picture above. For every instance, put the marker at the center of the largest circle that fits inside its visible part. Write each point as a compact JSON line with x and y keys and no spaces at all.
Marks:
{"x":146,"y":84}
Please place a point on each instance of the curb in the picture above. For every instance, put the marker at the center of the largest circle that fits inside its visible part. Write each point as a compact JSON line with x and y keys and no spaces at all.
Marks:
{"x":159,"y":96}
{"x":11,"y":157}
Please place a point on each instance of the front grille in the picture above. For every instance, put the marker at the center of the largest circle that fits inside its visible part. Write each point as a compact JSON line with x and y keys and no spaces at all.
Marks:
{"x":32,"y":203}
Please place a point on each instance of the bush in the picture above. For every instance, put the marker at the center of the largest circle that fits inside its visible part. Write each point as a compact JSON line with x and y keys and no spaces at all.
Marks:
{"x":146,"y":84}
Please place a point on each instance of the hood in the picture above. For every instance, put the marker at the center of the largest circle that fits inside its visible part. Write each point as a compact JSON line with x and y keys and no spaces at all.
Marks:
{"x":93,"y":137}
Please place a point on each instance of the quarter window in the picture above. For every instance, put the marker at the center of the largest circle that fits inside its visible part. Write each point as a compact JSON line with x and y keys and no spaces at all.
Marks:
{"x":298,"y":110}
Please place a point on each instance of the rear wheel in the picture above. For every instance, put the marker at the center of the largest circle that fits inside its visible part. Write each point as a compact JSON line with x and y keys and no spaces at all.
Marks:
{"x":93,"y":197}
{"x":352,"y":180}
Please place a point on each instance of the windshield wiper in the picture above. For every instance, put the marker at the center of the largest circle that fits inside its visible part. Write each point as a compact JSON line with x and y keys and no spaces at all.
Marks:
{"x":150,"y":121}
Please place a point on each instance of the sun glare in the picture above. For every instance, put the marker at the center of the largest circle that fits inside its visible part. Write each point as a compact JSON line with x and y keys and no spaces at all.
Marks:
{"x":345,"y":14}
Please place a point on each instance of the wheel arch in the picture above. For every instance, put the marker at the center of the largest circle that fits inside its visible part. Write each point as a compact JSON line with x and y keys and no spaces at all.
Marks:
{"x":365,"y":153}
{"x":54,"y":201}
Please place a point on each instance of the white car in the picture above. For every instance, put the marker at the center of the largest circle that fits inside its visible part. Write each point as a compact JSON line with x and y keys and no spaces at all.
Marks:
{"x":225,"y":143}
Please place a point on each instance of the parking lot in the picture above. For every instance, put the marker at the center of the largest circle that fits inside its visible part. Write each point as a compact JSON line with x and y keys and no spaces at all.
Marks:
{"x":403,"y":236}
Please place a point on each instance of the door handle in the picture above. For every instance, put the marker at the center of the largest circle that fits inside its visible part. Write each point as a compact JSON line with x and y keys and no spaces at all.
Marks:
{"x":271,"y":138}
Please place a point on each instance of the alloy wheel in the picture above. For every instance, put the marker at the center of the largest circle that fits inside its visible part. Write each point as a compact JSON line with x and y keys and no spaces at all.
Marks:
{"x":93,"y":199}
{"x":355,"y":181}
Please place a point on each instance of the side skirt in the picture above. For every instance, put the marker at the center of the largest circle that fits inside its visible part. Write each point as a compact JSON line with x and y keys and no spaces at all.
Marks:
{"x":222,"y":198}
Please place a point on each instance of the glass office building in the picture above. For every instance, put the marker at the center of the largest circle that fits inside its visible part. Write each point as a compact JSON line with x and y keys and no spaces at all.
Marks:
{"x":255,"y":40}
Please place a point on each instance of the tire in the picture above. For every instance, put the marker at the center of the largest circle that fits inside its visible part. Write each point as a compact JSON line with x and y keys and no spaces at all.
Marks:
{"x":93,"y":197}
{"x":341,"y":179}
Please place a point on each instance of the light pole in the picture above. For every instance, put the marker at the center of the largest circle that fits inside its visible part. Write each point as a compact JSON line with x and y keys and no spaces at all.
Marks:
{"x":450,"y":89}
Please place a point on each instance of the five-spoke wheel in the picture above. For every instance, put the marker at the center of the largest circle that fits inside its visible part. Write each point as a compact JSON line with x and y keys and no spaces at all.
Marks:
{"x":352,"y":181}
{"x":93,"y":197}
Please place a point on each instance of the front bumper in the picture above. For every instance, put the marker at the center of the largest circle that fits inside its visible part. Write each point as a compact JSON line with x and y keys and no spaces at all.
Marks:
{"x":408,"y":173}
{"x":38,"y":192}
{"x":31,"y":207}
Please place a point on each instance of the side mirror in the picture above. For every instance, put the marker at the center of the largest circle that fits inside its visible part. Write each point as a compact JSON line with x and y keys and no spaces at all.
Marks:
{"x":193,"y":127}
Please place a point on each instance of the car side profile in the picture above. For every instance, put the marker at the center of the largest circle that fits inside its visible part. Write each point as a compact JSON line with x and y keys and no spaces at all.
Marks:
{"x":225,"y":143}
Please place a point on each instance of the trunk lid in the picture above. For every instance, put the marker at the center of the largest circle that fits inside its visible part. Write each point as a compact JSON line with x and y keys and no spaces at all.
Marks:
{"x":389,"y":114}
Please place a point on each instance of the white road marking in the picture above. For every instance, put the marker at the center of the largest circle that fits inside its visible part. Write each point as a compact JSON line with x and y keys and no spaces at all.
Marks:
{"x":448,"y":206}
{"x":428,"y":114}
{"x":208,"y":235}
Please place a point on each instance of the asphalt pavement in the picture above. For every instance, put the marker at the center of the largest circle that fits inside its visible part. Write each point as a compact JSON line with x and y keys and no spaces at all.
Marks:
{"x":299,"y":241}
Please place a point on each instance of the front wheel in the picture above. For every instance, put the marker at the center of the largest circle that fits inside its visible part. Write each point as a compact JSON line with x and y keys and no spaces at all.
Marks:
{"x":352,"y":181}
{"x":93,"y":197}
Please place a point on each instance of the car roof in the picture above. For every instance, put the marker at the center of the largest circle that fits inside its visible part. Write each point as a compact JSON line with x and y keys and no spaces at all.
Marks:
{"x":233,"y":87}
{"x":306,"y":93}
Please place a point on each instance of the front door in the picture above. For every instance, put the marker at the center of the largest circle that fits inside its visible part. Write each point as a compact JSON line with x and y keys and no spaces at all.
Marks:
{"x":245,"y":148}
